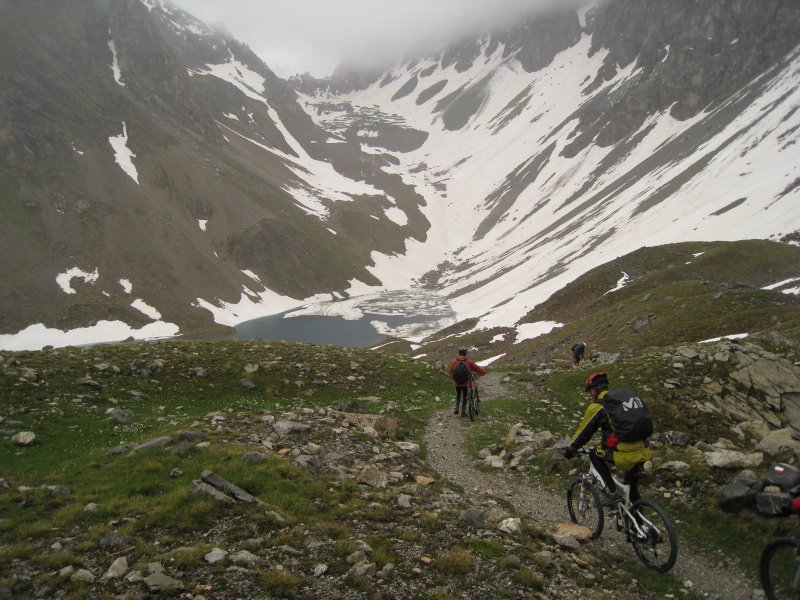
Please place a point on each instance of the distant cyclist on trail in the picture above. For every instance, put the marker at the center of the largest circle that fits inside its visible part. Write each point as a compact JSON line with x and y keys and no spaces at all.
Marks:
{"x":625,"y":425}
{"x":577,"y":353}
{"x":461,"y":370}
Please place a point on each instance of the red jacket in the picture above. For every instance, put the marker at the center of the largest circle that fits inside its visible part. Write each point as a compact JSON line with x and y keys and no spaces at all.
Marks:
{"x":471,"y":365}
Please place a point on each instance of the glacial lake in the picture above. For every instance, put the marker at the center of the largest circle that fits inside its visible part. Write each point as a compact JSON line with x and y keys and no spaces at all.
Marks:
{"x":361,"y":321}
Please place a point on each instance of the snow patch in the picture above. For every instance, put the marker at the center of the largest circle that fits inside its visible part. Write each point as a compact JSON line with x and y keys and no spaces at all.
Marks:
{"x":239,"y":75}
{"x":202,"y":223}
{"x":396,"y":215}
{"x":123,"y":155}
{"x":114,"y":63}
{"x":146,"y":309}
{"x":735,"y":336}
{"x":487,"y":361}
{"x":251,"y":275}
{"x":781,"y":283}
{"x":126,"y":285}
{"x":528,"y":331}
{"x":35,"y":337}
{"x":65,"y":279}
{"x":621,"y":283}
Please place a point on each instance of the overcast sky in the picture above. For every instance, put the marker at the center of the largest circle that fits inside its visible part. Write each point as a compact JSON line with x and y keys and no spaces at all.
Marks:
{"x":294,"y":36}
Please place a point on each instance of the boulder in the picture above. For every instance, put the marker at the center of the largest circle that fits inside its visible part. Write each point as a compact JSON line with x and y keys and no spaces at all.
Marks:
{"x":228,"y":488}
{"x":740,"y":492}
{"x":372,"y":477}
{"x":291,"y":430}
{"x":780,"y":443}
{"x":309,"y":462}
{"x":731,"y":459}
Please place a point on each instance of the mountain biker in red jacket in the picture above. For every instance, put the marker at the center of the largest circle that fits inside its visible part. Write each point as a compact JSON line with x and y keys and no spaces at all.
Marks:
{"x":462,"y":387}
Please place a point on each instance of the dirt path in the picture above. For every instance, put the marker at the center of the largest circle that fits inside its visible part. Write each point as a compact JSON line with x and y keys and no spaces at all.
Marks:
{"x":446,"y":436}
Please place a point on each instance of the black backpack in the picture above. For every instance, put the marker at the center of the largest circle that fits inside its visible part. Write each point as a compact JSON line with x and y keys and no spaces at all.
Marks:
{"x":629,"y":417}
{"x":461,"y":372}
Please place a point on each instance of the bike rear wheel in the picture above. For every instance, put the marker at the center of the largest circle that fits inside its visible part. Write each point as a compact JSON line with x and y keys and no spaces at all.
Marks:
{"x":471,"y":404}
{"x":658,"y":547}
{"x":779,"y":569}
{"x":583,"y":503}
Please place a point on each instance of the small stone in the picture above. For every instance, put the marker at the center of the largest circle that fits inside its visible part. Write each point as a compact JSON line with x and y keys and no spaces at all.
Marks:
{"x":66,"y":571}
{"x":117,"y":569}
{"x":216,"y":555}
{"x":512,"y":526}
{"x":83,"y":576}
{"x":24,"y":438}
{"x":160,"y":582}
{"x":363,"y":569}
{"x":404,"y":501}
{"x":320,"y":570}
{"x":244,"y":557}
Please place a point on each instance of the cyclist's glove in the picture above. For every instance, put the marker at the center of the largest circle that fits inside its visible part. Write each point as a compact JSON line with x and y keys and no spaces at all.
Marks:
{"x":570,"y":451}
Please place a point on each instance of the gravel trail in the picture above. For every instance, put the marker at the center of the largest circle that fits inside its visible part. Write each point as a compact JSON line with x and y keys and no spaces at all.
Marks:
{"x":446,"y":436}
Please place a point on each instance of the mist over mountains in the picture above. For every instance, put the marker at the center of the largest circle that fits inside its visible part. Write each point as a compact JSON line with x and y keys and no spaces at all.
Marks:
{"x":160,"y":179}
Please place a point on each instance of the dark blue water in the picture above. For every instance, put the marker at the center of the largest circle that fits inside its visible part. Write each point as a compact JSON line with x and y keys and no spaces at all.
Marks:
{"x":311,"y":329}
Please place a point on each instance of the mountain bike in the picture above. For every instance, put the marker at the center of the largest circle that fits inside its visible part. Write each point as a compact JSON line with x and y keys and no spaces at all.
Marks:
{"x":473,"y":399}
{"x":779,"y":567}
{"x":645,"y":524}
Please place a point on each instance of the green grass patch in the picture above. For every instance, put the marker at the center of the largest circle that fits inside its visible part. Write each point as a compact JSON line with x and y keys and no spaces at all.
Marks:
{"x":530,"y":579}
{"x":280,"y":584}
{"x":457,"y":561}
{"x":487,"y":548}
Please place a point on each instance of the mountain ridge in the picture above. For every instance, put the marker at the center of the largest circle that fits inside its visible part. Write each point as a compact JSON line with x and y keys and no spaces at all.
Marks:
{"x":421,"y":176}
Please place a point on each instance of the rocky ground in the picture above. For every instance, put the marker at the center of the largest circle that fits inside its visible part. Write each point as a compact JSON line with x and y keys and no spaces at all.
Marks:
{"x":321,"y":495}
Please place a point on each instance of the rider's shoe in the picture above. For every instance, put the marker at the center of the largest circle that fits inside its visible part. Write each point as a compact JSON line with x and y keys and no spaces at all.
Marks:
{"x":610,"y":499}
{"x":455,"y":412}
{"x":463,"y":412}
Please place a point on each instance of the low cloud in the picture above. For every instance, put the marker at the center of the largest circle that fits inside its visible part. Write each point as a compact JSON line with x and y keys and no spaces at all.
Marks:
{"x":316,"y":35}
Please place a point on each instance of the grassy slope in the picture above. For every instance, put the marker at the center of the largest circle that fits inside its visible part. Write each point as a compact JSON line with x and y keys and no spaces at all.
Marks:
{"x":142,"y":496}
{"x":670,"y":298}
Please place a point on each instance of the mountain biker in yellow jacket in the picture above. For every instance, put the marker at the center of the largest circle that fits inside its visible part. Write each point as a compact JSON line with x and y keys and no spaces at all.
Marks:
{"x":628,"y":457}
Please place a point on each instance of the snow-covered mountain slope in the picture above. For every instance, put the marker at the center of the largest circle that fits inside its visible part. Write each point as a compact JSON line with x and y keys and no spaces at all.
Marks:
{"x":519,"y":205}
{"x":161,"y":180}
{"x":141,"y":145}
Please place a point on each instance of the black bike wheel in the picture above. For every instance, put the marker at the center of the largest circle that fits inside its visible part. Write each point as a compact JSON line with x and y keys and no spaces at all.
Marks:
{"x":471,"y":404}
{"x":658,"y":549}
{"x":477,"y":402}
{"x":584,"y":506}
{"x":779,"y":569}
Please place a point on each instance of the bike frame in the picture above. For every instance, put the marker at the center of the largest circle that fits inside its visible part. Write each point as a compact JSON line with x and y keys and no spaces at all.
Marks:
{"x":624,"y":514}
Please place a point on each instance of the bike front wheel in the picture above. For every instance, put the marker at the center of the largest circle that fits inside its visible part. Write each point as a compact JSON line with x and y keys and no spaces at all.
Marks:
{"x":655,"y":541}
{"x":583,"y":503}
{"x":779,"y":569}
